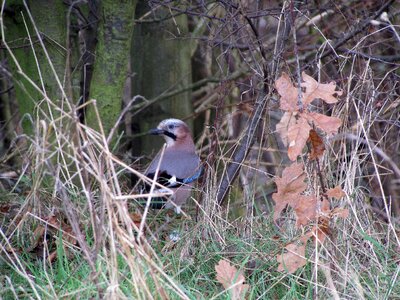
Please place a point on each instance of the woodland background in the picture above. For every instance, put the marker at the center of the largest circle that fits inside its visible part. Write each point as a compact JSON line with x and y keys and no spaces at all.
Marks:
{"x":81,"y":82}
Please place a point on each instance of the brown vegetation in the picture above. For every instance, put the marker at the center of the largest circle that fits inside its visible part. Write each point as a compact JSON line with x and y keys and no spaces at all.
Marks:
{"x":295,"y":108}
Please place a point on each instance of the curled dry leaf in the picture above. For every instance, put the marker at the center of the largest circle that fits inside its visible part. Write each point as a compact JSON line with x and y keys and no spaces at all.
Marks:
{"x":317,"y":145}
{"x":231,"y":279}
{"x":316,"y":90}
{"x":288,"y":92}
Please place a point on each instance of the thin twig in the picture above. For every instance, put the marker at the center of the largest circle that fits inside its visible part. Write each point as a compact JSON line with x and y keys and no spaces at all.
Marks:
{"x":243,"y":149}
{"x":358,"y":28}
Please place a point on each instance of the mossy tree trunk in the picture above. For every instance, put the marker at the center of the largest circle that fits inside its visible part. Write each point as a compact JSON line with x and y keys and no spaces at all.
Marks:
{"x":50,"y":20}
{"x":161,"y":63}
{"x":57,"y":76}
{"x":111,"y":61}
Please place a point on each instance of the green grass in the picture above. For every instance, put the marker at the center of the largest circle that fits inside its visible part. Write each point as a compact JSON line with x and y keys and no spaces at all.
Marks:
{"x":190,"y":262}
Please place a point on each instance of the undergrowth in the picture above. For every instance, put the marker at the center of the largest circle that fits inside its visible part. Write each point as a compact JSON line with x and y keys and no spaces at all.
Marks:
{"x":70,"y":226}
{"x":363,"y":262}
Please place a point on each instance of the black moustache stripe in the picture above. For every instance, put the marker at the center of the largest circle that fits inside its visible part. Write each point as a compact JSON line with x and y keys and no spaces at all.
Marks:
{"x":170,"y":134}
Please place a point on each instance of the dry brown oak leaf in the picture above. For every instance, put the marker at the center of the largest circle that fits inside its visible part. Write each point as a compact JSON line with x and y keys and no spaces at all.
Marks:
{"x":289,"y":187}
{"x":309,"y":209}
{"x":294,"y":258}
{"x":289,"y":193}
{"x":316,"y":90}
{"x":335,"y":192}
{"x":297,"y":135}
{"x":231,"y":279}
{"x":295,"y":124}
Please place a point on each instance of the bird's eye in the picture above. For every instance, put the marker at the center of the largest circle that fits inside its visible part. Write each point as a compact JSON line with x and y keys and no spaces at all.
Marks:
{"x":171,"y":126}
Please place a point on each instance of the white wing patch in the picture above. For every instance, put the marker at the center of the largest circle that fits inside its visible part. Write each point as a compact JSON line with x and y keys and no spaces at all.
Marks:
{"x":172,"y":181}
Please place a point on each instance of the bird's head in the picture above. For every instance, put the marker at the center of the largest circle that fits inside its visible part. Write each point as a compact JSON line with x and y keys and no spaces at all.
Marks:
{"x":174,"y":131}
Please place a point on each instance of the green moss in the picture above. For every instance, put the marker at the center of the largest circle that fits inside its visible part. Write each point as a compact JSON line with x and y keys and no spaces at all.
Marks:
{"x":50,"y":20}
{"x":111,"y":64}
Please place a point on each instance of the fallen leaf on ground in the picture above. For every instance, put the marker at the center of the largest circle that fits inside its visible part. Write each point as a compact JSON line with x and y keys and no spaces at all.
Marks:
{"x":231,"y":279}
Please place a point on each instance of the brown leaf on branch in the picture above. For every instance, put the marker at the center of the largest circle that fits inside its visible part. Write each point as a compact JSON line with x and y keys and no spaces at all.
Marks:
{"x":322,"y":228}
{"x":289,"y":186}
{"x":288,"y":92}
{"x":294,"y":126}
{"x":231,"y":279}
{"x":294,"y":258}
{"x":316,"y":90}
{"x":317,"y":145}
{"x":340,"y":212}
{"x":320,"y":232}
{"x":289,"y":192}
{"x":297,"y":138}
{"x":335,"y":192}
{"x":305,"y":209}
{"x":327,"y":124}
{"x":288,"y":119}
{"x":313,"y":90}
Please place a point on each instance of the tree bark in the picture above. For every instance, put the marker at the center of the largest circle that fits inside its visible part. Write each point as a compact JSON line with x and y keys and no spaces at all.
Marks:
{"x":50,"y":20}
{"x":111,"y":61}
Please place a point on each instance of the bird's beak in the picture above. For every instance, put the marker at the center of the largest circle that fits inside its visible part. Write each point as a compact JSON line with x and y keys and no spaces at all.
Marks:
{"x":156,"y":131}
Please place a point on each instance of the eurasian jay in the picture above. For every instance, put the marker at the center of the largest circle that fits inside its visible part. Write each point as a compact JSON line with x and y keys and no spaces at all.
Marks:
{"x":180,"y":165}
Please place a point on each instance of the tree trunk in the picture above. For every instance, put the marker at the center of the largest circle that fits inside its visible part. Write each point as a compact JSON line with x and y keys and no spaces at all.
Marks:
{"x":50,"y":21}
{"x":111,"y":61}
